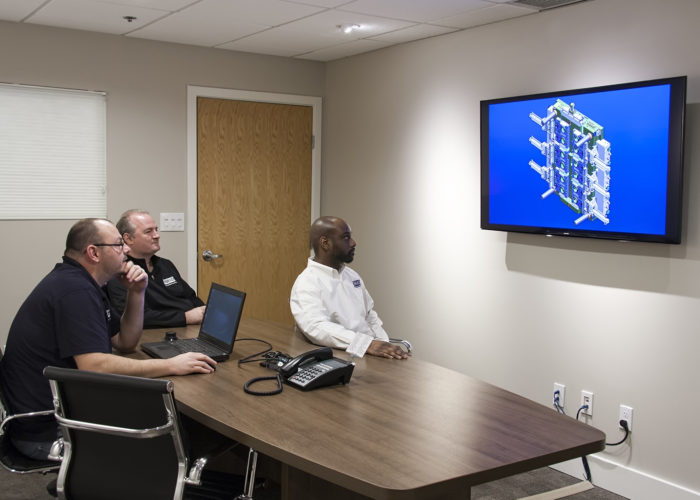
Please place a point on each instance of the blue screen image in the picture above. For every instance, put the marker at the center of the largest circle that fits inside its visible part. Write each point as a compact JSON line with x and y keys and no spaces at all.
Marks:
{"x":222,"y":315}
{"x":635,"y":123}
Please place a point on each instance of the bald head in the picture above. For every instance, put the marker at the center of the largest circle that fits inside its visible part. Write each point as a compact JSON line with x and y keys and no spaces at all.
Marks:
{"x":322,"y":226}
{"x":331,"y":241}
{"x":81,"y":234}
{"x":97,"y":246}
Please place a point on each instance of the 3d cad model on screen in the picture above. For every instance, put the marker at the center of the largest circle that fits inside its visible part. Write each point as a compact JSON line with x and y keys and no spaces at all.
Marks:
{"x":577,"y":161}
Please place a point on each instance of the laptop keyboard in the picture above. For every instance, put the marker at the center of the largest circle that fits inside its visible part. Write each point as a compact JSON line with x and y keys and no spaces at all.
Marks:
{"x":194,"y":345}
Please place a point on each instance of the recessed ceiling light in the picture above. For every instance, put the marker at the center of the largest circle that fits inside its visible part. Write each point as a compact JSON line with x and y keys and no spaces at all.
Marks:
{"x":348,"y":28}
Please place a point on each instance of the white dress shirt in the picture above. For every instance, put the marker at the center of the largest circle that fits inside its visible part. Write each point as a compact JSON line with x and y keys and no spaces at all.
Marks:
{"x":330,"y":307}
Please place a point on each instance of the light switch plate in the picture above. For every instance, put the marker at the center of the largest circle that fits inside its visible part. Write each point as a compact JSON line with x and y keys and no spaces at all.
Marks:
{"x":172,"y":221}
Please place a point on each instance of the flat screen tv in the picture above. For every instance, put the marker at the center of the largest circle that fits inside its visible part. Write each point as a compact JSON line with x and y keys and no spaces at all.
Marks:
{"x":603,"y":162}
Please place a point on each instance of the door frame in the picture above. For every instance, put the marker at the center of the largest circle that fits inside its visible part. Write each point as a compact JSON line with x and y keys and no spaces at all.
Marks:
{"x":193,"y":92}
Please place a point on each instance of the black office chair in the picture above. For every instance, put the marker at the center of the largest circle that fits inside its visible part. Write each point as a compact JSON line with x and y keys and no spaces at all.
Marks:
{"x":122,"y":439}
{"x":10,"y":458}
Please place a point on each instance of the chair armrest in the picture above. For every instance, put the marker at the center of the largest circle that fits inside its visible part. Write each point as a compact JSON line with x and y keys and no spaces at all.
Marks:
{"x":117,"y":431}
{"x":24,"y":415}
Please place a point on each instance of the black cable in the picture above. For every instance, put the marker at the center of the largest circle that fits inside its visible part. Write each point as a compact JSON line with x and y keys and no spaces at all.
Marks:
{"x":623,"y":424}
{"x":247,"y":389}
{"x":584,"y":458}
{"x":586,"y":468}
{"x":254,"y":357}
{"x":584,"y":407}
{"x":264,"y":355}
{"x":557,"y":406}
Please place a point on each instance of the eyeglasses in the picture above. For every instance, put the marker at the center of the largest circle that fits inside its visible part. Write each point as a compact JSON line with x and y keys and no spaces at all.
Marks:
{"x":120,"y":245}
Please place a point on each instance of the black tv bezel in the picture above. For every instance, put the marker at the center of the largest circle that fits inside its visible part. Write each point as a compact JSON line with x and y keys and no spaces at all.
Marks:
{"x":674,"y":194}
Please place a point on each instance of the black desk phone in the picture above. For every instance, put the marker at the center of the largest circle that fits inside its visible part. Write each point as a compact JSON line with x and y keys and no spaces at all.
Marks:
{"x":316,"y":368}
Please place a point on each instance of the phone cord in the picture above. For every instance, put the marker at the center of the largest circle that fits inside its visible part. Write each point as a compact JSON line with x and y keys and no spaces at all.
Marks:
{"x":248,"y":390}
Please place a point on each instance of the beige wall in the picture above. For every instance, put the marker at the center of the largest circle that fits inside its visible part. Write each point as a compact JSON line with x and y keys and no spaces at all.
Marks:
{"x":401,"y":164}
{"x":146,"y":84}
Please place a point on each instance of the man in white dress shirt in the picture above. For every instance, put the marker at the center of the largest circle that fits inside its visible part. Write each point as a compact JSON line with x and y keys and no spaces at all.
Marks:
{"x":329,"y":301}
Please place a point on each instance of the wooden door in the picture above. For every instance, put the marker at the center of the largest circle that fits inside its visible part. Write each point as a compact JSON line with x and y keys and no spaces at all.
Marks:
{"x":253,"y":200}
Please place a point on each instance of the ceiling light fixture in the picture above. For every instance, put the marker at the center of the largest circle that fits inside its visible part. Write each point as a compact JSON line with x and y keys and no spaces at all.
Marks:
{"x":348,"y":28}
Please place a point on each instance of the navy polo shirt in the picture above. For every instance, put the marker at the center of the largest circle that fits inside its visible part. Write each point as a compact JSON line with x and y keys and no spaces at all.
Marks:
{"x":66,"y":314}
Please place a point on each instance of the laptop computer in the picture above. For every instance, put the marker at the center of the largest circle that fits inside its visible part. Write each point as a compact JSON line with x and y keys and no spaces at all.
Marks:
{"x":217,"y":332}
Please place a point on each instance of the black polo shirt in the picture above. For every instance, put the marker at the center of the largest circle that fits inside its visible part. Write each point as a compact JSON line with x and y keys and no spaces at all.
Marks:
{"x":67,"y":314}
{"x":167,"y":299}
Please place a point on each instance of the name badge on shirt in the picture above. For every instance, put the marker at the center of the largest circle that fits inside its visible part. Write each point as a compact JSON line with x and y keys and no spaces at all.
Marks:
{"x":169,"y":281}
{"x":108,"y":314}
{"x":356,"y":283}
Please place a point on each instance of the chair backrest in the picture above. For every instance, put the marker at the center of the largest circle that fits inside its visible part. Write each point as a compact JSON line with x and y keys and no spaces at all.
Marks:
{"x":121,"y":434}
{"x":3,"y":407}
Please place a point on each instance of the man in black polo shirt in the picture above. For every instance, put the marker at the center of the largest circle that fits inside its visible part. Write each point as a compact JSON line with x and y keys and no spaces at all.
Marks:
{"x":170,"y":301}
{"x":67,"y":321}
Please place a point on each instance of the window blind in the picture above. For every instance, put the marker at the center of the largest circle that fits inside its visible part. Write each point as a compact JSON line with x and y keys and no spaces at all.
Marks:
{"x":52,"y":153}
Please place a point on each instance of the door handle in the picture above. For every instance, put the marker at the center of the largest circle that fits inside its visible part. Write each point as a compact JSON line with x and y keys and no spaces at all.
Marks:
{"x":208,"y":255}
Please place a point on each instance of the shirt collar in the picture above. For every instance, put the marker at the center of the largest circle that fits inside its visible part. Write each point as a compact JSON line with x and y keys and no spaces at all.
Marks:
{"x":330,"y":271}
{"x":74,"y":263}
{"x":142,"y":262}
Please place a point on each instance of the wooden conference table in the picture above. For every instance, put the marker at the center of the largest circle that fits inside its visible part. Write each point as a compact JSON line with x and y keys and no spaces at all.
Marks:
{"x":399,"y":430}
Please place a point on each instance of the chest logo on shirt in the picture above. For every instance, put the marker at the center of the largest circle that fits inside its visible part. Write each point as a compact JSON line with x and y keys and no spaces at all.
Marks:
{"x":108,"y":314}
{"x":169,"y":281}
{"x":356,"y":283}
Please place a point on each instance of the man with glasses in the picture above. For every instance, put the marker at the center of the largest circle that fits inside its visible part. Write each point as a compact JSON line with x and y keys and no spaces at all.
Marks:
{"x":170,"y":301}
{"x":67,"y":321}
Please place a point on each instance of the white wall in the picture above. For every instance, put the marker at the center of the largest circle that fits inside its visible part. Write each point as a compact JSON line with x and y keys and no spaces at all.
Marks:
{"x":401,"y":164}
{"x":146,"y":84}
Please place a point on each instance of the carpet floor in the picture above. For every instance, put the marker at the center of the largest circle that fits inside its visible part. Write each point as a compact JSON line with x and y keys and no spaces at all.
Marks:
{"x":33,"y":486}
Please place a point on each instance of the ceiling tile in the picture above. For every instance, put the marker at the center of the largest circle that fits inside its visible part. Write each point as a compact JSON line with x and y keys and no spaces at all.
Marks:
{"x":93,"y":16}
{"x":267,"y":12}
{"x":215,"y":22}
{"x":330,"y":4}
{"x":166,"y":5}
{"x":414,"y":10}
{"x":326,"y":24}
{"x":16,"y":10}
{"x":343,"y":50}
{"x":485,"y":16}
{"x":411,"y":33}
{"x":281,"y":41}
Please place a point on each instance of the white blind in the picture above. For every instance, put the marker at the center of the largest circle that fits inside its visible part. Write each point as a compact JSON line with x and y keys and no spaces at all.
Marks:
{"x":52,"y":153}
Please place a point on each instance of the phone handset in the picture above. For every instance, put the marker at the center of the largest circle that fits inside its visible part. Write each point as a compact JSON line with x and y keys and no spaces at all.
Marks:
{"x":291,"y":367}
{"x":316,"y":368}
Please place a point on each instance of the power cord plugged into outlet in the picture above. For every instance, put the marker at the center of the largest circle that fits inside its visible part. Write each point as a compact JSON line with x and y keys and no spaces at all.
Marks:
{"x":623,"y":424}
{"x":557,"y":400}
{"x":625,"y":427}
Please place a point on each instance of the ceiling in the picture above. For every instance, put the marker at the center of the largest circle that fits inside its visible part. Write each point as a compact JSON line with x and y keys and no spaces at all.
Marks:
{"x":305,"y":29}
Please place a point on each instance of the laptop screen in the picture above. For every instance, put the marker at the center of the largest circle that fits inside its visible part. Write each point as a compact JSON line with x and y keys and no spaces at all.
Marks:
{"x":223,"y":313}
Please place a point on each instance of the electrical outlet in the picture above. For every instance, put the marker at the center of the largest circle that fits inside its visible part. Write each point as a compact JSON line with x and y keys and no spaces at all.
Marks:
{"x":587,"y":400}
{"x":626,"y":414}
{"x":559,"y":390}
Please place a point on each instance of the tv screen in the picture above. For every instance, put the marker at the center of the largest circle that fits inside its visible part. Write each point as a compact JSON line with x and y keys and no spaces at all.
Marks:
{"x":603,"y":162}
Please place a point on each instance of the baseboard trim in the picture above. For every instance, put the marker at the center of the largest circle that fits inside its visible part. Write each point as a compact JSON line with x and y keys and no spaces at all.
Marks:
{"x":626,"y":481}
{"x":564,"y":492}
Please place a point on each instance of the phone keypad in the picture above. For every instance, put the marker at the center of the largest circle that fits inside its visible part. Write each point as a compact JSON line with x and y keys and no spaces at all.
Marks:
{"x":306,"y":375}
